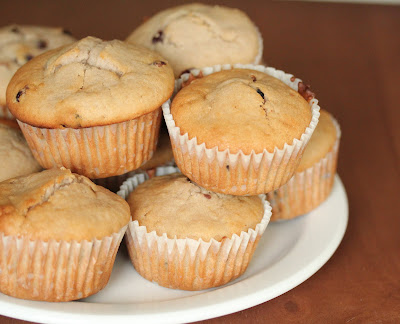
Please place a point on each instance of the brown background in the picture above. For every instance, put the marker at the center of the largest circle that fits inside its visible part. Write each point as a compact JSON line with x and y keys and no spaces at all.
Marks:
{"x":350,"y":55}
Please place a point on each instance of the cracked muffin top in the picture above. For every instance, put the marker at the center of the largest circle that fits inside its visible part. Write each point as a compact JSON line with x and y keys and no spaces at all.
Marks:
{"x":19,"y":44}
{"x":321,"y":142}
{"x":60,"y":205}
{"x":90,"y":83}
{"x":175,"y":205}
{"x":198,"y":35}
{"x":15,"y":156}
{"x":241,"y":109}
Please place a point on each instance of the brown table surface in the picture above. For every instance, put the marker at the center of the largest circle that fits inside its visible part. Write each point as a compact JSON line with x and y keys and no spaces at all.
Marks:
{"x":350,"y":55}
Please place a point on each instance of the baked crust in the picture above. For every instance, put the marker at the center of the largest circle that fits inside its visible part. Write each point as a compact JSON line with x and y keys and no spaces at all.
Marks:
{"x":90,"y":83}
{"x":19,"y":44}
{"x":198,"y":35}
{"x":174,"y":205}
{"x":59,"y":205}
{"x":241,"y":109}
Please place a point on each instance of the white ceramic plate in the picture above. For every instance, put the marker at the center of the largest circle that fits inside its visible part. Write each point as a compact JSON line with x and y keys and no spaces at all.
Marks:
{"x":288,"y":254}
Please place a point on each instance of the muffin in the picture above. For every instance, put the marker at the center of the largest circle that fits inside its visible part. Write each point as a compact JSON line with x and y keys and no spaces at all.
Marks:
{"x":15,"y":157}
{"x":93,"y":106}
{"x":199,"y":35}
{"x":18,"y":45}
{"x":240,"y":130}
{"x":312,"y":183}
{"x":59,"y":235}
{"x":185,"y":237}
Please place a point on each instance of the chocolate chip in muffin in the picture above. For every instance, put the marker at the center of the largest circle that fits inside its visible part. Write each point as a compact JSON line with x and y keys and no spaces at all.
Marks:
{"x":28,"y":57}
{"x":227,"y":167}
{"x":42,"y":44}
{"x":20,"y":93}
{"x":185,"y":71}
{"x":261,"y":94}
{"x":15,"y":30}
{"x":253,"y":77}
{"x":159,"y":63}
{"x":264,"y":101}
{"x":158,"y":38}
{"x":305,"y":91}
{"x":207,"y":196}
{"x":78,"y":120}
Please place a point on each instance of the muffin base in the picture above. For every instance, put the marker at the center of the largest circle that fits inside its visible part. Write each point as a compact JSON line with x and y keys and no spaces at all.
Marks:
{"x":308,"y":189}
{"x":99,"y":151}
{"x":56,"y":271}
{"x":237,"y":173}
{"x":189,"y":264}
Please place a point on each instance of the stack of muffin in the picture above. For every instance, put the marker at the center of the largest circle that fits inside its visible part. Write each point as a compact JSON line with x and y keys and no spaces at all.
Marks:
{"x":238,"y":133}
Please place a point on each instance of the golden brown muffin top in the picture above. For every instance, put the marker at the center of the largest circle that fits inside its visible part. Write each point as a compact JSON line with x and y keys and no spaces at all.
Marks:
{"x":90,"y":83}
{"x":15,"y":156}
{"x":60,"y":205}
{"x":241,"y":109}
{"x":198,"y":35}
{"x":321,"y":141}
{"x":174,"y":205}
{"x":19,"y":44}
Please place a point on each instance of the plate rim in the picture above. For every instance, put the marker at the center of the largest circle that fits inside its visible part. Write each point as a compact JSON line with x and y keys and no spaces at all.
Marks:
{"x":37,"y":311}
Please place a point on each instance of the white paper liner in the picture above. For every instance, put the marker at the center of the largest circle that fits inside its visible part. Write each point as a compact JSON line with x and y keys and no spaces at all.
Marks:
{"x":115,"y":182}
{"x":96,"y":152}
{"x":5,"y":113}
{"x":189,"y":264}
{"x":259,"y":56}
{"x":306,"y":190}
{"x":239,"y":173}
{"x":56,"y":270}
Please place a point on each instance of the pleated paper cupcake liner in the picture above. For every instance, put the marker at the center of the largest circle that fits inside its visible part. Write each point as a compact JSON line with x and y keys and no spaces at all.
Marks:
{"x":259,"y":56}
{"x":238,"y":173}
{"x":56,"y":270}
{"x":114,"y":183}
{"x":96,"y":152}
{"x":189,"y":264}
{"x":5,"y":113}
{"x":153,"y":172}
{"x":308,"y":189}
